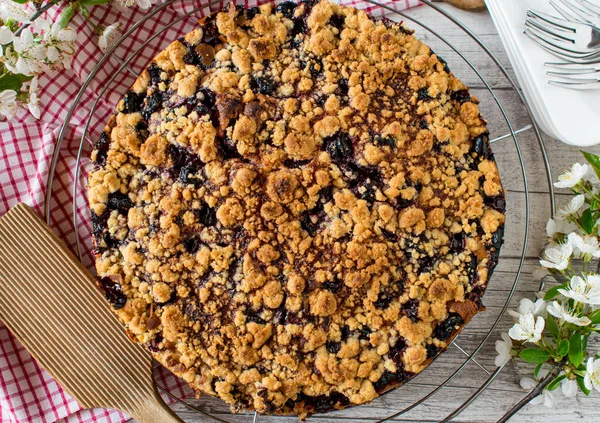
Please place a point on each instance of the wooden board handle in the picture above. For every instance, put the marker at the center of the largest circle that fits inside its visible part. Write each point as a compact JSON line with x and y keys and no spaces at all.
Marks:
{"x":154,"y":410}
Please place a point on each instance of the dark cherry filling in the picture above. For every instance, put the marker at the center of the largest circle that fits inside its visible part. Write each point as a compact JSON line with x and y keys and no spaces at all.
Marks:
{"x":411,"y":309}
{"x":446,"y":328}
{"x":461,"y":96}
{"x":390,"y":236}
{"x":498,"y":203}
{"x":101,"y":148}
{"x":339,"y":146}
{"x":154,"y":71}
{"x":334,"y":286}
{"x":206,"y":215}
{"x":153,"y":103}
{"x":252,"y":316}
{"x":153,"y":345}
{"x":333,"y":347}
{"x":481,"y":147}
{"x":423,"y":94}
{"x":286,"y":8}
{"x":432,"y":350}
{"x":192,"y":244}
{"x":132,"y":102}
{"x":120,"y":202}
{"x":342,"y":89}
{"x":262,"y":85}
{"x":385,"y":141}
{"x":458,"y":242}
{"x":337,"y":21}
{"x":389,"y":379}
{"x":210,"y":32}
{"x":396,"y":352}
{"x":472,"y":270}
{"x":251,"y":12}
{"x":112,"y":292}
{"x":322,"y":403}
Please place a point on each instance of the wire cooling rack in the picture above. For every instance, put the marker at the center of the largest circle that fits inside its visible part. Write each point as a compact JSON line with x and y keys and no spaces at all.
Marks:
{"x":463,"y":363}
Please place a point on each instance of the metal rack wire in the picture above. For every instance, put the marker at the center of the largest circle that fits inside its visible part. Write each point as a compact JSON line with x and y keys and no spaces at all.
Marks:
{"x":511,"y":134}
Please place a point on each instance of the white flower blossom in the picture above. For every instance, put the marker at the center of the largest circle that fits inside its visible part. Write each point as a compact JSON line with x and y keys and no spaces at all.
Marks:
{"x":569,"y":388}
{"x":33,"y":104}
{"x":18,"y":12}
{"x":557,"y":256}
{"x":26,"y":55}
{"x":528,"y":306}
{"x":6,"y":35}
{"x":563,"y":312}
{"x":572,"y":176}
{"x":587,"y":244}
{"x":108,"y":37}
{"x":142,"y":4}
{"x":546,"y":397}
{"x":583,"y":291}
{"x":592,"y":374}
{"x":61,"y":45}
{"x":8,"y":103}
{"x":528,"y":329}
{"x":573,"y":207}
{"x":503,"y":348}
{"x":559,"y":226}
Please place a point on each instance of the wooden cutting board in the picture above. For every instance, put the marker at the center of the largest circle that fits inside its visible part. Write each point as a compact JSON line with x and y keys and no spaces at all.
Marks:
{"x":50,"y":302}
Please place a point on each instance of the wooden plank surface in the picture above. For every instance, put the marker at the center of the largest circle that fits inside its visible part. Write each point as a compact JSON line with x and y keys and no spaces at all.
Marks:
{"x":505,"y":390}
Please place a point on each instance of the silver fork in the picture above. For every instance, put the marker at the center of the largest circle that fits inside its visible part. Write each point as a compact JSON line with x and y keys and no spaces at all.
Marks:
{"x":572,"y":41}
{"x":574,"y":76}
{"x":578,"y":11}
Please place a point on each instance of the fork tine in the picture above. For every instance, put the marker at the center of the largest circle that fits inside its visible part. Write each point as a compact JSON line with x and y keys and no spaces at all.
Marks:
{"x":558,"y":37}
{"x":567,"y":13}
{"x":560,"y":53}
{"x":573,"y":67}
{"x":575,"y":75}
{"x":566,"y":50}
{"x":560,"y":23}
{"x":576,"y":85}
{"x":590,"y":7}
{"x":577,"y":10}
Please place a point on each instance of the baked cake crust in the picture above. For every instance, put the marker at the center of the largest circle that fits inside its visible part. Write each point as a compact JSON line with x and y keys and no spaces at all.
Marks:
{"x":295,"y":207}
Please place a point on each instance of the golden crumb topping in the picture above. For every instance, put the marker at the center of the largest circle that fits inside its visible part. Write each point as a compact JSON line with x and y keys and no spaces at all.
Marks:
{"x":296,"y":207}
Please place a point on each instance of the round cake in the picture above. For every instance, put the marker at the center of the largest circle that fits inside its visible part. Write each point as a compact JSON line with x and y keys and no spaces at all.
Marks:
{"x":295,"y":207}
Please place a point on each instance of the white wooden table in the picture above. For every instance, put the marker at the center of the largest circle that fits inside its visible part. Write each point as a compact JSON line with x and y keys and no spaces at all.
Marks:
{"x":505,"y":390}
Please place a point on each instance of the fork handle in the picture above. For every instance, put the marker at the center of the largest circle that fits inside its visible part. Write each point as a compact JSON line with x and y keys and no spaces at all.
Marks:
{"x":154,"y":410}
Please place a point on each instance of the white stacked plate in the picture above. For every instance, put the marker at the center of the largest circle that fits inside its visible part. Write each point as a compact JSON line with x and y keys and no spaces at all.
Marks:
{"x":568,"y":115}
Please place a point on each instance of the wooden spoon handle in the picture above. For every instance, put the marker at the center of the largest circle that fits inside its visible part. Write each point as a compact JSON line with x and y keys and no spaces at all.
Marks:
{"x":154,"y":410}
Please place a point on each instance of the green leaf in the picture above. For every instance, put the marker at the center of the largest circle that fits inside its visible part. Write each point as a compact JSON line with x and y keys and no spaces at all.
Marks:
{"x":534,"y":355}
{"x":11,"y":81}
{"x":595,"y":317}
{"x":553,"y":292}
{"x":551,"y":326}
{"x":587,"y":221}
{"x":575,"y":349}
{"x":65,"y":16}
{"x":593,"y":160}
{"x":585,"y":341}
{"x":536,"y":372}
{"x":563,"y":347}
{"x":555,"y":382}
{"x":20,"y":1}
{"x":581,"y":385}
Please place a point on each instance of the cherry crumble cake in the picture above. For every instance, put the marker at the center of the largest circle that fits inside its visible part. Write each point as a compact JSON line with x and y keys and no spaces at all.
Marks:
{"x":295,"y":207}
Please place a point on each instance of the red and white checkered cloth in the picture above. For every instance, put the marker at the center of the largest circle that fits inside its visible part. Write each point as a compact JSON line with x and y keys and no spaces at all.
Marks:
{"x":27,"y":393}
